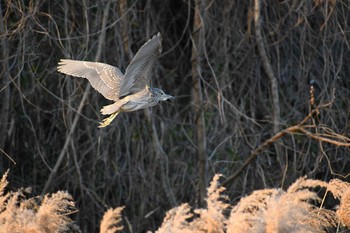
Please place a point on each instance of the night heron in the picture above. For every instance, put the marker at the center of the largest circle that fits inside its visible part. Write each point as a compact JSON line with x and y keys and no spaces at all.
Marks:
{"x":130,"y":91}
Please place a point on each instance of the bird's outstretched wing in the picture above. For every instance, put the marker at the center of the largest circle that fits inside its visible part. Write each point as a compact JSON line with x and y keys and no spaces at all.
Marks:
{"x":137,"y":74}
{"x":104,"y":78}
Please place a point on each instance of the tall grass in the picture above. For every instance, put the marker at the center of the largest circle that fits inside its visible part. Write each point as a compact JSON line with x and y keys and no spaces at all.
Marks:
{"x":38,"y":214}
{"x":148,"y":161}
{"x":306,"y":206}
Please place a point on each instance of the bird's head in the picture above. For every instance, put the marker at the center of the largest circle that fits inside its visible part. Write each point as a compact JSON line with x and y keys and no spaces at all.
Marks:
{"x":160,"y":95}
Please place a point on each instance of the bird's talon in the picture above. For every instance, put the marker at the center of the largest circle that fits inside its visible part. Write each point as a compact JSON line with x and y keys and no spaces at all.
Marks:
{"x":107,"y":121}
{"x":128,"y":95}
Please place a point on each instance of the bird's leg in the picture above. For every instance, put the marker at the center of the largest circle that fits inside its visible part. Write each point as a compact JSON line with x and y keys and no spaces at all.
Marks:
{"x":105,"y":122}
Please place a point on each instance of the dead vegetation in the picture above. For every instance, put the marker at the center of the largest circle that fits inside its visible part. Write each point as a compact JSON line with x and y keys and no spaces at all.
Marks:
{"x":241,"y":72}
{"x":298,"y":209}
{"x":111,"y":221}
{"x":47,"y":214}
{"x":306,"y":206}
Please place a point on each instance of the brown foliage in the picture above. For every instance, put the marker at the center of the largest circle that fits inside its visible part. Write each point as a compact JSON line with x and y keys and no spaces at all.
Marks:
{"x":298,"y":209}
{"x":210,"y":220}
{"x":341,"y":191}
{"x":148,"y":159}
{"x":344,"y":209}
{"x":269,"y":210}
{"x":111,"y":221}
{"x":35,"y":215}
{"x":175,"y":220}
{"x":276,"y":210}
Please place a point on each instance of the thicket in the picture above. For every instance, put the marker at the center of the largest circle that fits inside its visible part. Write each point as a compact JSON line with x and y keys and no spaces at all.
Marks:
{"x":241,"y":72}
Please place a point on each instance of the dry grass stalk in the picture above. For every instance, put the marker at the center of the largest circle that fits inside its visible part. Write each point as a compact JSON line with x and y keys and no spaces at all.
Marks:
{"x":111,"y":221}
{"x":243,"y":214}
{"x":341,"y":191}
{"x":276,"y":210}
{"x":210,"y":220}
{"x":343,"y":212}
{"x":176,"y":220}
{"x":338,"y":188}
{"x":303,"y":183}
{"x":3,"y":196}
{"x":268,"y":210}
{"x":287,"y":212}
{"x":53,"y":211}
{"x":34,"y":215}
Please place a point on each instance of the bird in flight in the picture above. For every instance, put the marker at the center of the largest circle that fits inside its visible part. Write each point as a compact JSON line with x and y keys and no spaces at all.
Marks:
{"x":130,"y":91}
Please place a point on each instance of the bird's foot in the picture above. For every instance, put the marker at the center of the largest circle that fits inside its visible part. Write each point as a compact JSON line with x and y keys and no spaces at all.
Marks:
{"x":105,"y":122}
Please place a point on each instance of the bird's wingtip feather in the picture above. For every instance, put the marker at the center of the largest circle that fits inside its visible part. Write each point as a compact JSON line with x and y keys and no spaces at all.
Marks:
{"x":63,"y":61}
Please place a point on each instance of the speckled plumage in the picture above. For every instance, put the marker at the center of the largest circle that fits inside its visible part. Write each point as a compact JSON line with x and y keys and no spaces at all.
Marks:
{"x":130,"y":91}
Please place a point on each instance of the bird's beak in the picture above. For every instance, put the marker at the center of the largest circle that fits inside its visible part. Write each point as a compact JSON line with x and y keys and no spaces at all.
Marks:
{"x":169,"y":97}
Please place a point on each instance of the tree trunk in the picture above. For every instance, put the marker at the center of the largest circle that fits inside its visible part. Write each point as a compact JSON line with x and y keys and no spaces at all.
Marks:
{"x":124,"y":28}
{"x":276,"y":117}
{"x":196,"y":58}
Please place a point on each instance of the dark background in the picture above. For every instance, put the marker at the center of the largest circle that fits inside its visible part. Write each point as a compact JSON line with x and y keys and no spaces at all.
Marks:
{"x":149,"y":162}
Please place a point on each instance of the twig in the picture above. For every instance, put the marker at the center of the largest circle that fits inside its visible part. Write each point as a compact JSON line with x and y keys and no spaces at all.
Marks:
{"x":160,"y":155}
{"x":5,"y":79}
{"x":8,"y":156}
{"x":269,"y":72}
{"x":291,"y":130}
{"x":82,"y":103}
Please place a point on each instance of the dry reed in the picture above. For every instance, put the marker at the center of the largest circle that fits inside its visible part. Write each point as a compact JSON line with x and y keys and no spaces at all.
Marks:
{"x":210,"y":220}
{"x":111,"y":221}
{"x":150,"y":160}
{"x":298,"y":209}
{"x":35,"y":215}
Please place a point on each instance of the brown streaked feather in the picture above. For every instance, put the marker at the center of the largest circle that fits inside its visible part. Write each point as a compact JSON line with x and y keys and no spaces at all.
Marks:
{"x":137,"y":74}
{"x":104,"y":78}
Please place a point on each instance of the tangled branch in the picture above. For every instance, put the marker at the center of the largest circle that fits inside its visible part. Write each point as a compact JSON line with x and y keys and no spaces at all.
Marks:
{"x":302,"y":127}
